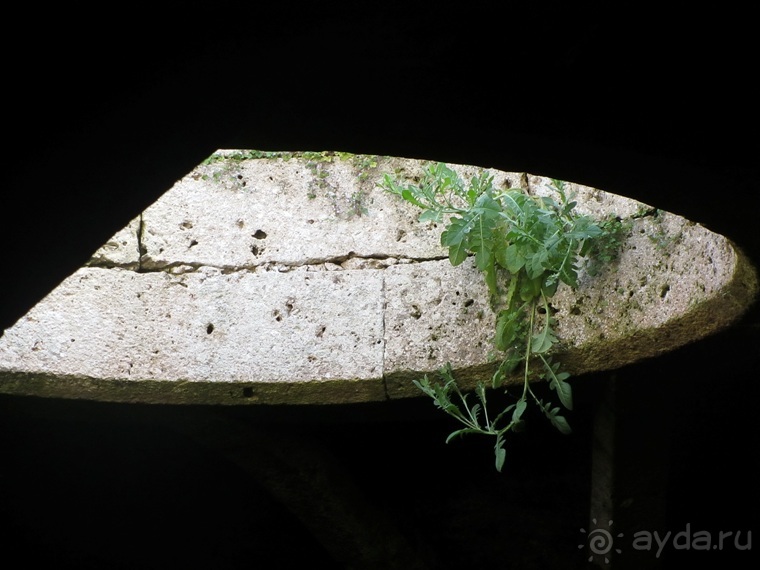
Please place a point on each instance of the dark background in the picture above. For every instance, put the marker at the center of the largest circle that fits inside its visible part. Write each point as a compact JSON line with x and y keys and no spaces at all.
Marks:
{"x":106,"y":109}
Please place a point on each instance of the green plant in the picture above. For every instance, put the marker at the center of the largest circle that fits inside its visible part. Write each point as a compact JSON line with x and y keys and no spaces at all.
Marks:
{"x":526,"y":246}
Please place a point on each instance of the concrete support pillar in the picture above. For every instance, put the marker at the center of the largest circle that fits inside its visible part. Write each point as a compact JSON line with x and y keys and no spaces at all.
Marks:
{"x":629,"y":474}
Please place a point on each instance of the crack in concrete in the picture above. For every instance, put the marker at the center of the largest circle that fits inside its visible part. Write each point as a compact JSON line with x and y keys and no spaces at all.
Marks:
{"x":382,"y":331}
{"x":181,"y":267}
{"x":340,"y":259}
{"x":140,"y":247}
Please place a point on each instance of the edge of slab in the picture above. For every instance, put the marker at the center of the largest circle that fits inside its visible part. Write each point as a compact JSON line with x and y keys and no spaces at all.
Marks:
{"x":195,"y":393}
{"x":709,"y":317}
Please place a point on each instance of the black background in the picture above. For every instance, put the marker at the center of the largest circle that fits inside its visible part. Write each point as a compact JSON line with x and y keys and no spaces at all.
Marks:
{"x":107,"y":108}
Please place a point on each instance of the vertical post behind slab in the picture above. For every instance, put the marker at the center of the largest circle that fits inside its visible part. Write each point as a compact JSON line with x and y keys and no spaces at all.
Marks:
{"x":629,"y":472}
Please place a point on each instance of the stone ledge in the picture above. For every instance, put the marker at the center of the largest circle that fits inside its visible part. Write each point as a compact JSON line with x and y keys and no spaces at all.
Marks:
{"x":295,"y":279}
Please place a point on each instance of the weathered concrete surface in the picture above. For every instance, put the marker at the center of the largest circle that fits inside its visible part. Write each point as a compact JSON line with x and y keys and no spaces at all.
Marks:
{"x":295,"y":279}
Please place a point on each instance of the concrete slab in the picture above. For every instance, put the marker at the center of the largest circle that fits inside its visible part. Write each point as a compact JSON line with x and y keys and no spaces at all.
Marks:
{"x":221,"y":337}
{"x":293,"y":278}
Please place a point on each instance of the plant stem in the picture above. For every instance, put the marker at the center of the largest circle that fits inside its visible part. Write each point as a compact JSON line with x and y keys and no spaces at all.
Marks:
{"x":528,"y":346}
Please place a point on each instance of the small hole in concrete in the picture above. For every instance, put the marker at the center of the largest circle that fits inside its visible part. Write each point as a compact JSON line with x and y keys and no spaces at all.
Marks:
{"x":254,"y":250}
{"x":664,"y":291}
{"x":575,"y":311}
{"x":260,"y":234}
{"x":247,"y":392}
{"x":193,"y":243}
{"x":209,"y":328}
{"x":469,"y":302}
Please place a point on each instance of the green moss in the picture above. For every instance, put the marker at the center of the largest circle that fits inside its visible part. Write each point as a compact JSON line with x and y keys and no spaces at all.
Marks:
{"x":228,"y":175}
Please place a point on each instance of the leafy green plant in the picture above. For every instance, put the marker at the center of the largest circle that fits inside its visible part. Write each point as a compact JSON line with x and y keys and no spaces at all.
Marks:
{"x":526,"y":246}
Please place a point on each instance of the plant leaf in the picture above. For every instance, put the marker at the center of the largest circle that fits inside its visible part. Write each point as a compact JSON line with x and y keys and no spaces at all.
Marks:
{"x":512,"y":259}
{"x":564,"y":391}
{"x":519,"y":409}
{"x":460,"y":433}
{"x":542,"y":341}
{"x":499,"y":452}
{"x":561,"y":424}
{"x":430,"y":216}
{"x":506,"y":329}
{"x":557,"y":421}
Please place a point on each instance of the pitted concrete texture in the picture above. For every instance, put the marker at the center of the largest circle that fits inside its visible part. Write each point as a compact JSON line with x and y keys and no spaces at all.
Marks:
{"x":282,"y":214}
{"x":293,"y":278}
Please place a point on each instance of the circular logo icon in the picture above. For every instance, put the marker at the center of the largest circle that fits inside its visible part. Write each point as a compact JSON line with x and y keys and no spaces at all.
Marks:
{"x":600,"y":542}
